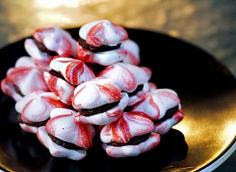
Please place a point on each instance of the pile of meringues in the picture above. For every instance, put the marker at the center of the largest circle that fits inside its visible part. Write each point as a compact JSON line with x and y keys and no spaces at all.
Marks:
{"x":61,"y":99}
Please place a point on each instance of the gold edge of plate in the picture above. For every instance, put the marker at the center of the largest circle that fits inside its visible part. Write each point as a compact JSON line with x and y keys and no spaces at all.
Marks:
{"x":214,"y":159}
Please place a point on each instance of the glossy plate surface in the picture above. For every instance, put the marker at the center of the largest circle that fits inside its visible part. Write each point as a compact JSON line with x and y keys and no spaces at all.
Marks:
{"x":208,"y":94}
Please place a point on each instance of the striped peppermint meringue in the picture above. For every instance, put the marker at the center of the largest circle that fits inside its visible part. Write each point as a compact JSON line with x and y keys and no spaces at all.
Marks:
{"x":74,"y":71}
{"x":60,"y":87}
{"x":113,"y":38}
{"x":156,"y":104}
{"x":104,"y":58}
{"x":97,"y":93}
{"x":48,"y":42}
{"x":35,"y":108}
{"x":126,"y":76}
{"x":23,"y":79}
{"x":128,"y":52}
{"x":62,"y":126}
{"x":102,"y":32}
{"x":130,"y":125}
{"x":132,"y":52}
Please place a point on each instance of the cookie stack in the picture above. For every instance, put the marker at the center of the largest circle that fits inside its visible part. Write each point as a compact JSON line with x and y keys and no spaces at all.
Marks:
{"x":62,"y":100}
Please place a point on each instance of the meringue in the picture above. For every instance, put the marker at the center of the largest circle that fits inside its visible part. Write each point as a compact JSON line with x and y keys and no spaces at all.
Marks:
{"x":23,"y":79}
{"x":130,"y":125}
{"x":64,"y":137}
{"x":35,"y":108}
{"x":105,"y":101}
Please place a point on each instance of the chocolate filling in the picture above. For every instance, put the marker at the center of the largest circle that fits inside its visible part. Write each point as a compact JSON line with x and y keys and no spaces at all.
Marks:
{"x":100,"y":109}
{"x":33,"y":124}
{"x":64,"y":144}
{"x":134,"y":141}
{"x":169,"y":114}
{"x":57,"y":74}
{"x":139,"y":88}
{"x":94,"y":49}
{"x":44,"y":49}
{"x":17,"y":89}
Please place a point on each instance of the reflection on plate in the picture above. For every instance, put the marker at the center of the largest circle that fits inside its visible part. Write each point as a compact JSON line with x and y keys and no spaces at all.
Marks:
{"x":207,"y":133}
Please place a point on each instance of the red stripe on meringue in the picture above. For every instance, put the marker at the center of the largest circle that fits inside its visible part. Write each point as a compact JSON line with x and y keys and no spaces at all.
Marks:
{"x":18,"y":73}
{"x":92,"y":37}
{"x":155,"y":106}
{"x":110,"y":91}
{"x":122,"y":124}
{"x":67,"y":48}
{"x":85,"y":136}
{"x":73,"y":72}
{"x":133,"y":59}
{"x":83,"y":54}
{"x":54,"y":102}
{"x":52,"y":84}
{"x":115,"y":114}
{"x":129,"y":79}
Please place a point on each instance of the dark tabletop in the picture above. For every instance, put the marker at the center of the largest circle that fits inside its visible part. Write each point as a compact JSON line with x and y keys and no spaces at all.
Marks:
{"x":209,"y":24}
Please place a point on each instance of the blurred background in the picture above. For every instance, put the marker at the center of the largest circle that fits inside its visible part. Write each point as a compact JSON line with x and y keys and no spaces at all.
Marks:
{"x":209,"y":24}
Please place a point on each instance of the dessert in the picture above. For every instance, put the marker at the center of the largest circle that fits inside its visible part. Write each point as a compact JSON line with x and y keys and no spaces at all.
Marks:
{"x":64,"y":137}
{"x":64,"y":75}
{"x":131,"y":135}
{"x":129,"y":78}
{"x":163,"y":107}
{"x":105,"y":43}
{"x":49,"y":42}
{"x":35,"y":108}
{"x":73,"y":71}
{"x":23,"y":79}
{"x":104,"y":104}
{"x":69,"y":85}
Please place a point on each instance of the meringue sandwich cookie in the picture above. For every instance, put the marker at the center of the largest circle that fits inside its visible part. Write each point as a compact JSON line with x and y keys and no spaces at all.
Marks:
{"x":105,"y":43}
{"x":126,"y":76}
{"x":49,"y":42}
{"x":73,"y":71}
{"x":64,"y":137}
{"x":23,"y":79}
{"x":129,"y":78}
{"x":65,"y":74}
{"x":35,"y":109}
{"x":99,"y":102}
{"x":102,"y":32}
{"x":163,"y":107}
{"x":131,"y":135}
{"x":127,"y":52}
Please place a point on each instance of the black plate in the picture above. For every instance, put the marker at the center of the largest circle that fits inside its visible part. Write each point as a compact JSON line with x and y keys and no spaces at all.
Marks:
{"x":175,"y":64}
